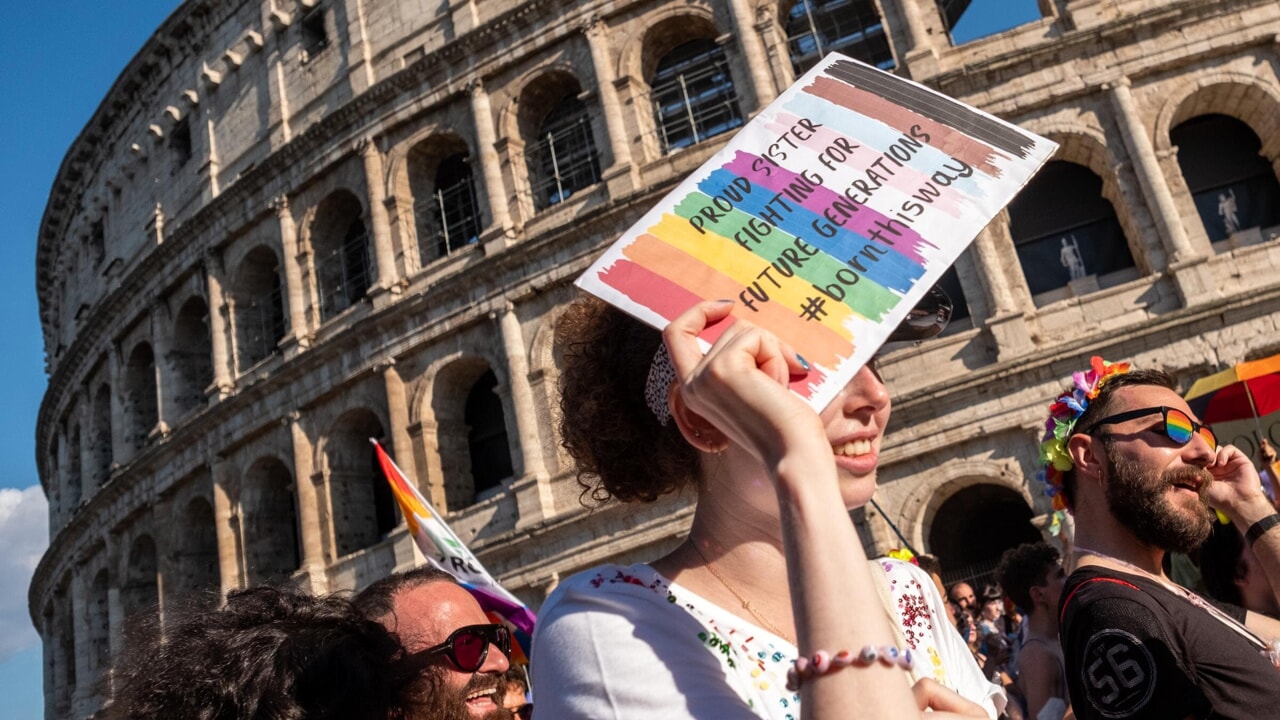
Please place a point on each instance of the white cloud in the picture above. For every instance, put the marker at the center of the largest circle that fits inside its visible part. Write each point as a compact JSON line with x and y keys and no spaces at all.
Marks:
{"x":24,"y":535}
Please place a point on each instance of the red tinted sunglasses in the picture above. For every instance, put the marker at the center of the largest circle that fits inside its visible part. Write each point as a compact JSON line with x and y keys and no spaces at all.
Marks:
{"x":468,"y":646}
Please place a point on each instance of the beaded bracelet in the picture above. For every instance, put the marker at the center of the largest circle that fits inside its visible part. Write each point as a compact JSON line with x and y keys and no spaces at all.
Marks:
{"x":824,"y":663}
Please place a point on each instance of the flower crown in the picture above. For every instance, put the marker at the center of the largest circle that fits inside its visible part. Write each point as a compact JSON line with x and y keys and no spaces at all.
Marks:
{"x":1063,"y":414}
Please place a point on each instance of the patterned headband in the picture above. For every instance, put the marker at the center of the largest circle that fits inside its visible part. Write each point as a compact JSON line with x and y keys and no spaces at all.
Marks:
{"x":1063,"y":415}
{"x":658,"y":385}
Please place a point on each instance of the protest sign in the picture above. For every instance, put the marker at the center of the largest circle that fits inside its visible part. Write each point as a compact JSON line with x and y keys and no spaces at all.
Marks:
{"x":826,"y":217}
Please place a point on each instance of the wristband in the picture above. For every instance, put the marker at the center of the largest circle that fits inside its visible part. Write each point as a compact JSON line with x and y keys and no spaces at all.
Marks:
{"x":1261,"y":527}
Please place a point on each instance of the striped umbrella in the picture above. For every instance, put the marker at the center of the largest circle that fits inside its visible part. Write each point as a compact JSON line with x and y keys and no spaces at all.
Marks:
{"x":1243,"y":391}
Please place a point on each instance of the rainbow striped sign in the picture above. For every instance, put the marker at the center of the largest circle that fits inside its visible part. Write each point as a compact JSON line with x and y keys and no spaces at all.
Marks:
{"x":826,"y":218}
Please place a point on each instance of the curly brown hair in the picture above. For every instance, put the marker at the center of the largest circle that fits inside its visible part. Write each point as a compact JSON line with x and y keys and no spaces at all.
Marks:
{"x":620,"y":448}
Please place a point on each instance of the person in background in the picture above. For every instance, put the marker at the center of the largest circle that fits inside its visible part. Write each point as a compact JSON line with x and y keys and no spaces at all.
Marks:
{"x":516,"y":696}
{"x":1231,"y":572}
{"x":273,"y":653}
{"x":931,"y":565}
{"x":1032,"y":576}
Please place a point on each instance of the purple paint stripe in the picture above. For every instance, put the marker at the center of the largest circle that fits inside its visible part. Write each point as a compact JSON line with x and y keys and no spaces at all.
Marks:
{"x":863,"y":221}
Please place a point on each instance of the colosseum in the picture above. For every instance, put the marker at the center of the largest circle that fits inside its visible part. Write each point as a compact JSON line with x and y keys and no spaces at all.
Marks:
{"x":292,"y":225}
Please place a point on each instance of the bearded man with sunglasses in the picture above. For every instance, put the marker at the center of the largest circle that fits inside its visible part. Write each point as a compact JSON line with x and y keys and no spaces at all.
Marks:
{"x":442,"y":625}
{"x":1143,"y":477}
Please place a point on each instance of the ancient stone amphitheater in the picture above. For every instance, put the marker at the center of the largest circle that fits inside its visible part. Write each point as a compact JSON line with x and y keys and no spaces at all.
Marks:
{"x":292,"y":225}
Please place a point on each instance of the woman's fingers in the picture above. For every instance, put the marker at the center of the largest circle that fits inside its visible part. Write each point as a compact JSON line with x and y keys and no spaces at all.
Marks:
{"x":681,"y":335}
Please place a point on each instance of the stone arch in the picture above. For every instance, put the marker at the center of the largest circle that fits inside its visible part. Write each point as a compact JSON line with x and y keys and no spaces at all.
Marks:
{"x":141,"y":405}
{"x":634,"y":57}
{"x":469,"y":457}
{"x":437,"y":178}
{"x":360,"y":500}
{"x":269,"y":522}
{"x":195,"y":555}
{"x":969,"y":519}
{"x":100,"y":451}
{"x":1237,"y":94}
{"x":140,"y":593}
{"x":258,"y":306}
{"x":342,"y":260}
{"x":692,"y":90}
{"x":555,"y":131}
{"x":191,"y":355}
{"x":98,"y":621}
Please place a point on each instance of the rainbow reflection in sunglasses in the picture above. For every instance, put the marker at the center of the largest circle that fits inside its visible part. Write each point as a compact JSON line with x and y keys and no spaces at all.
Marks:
{"x":468,"y":646}
{"x":1177,"y":424}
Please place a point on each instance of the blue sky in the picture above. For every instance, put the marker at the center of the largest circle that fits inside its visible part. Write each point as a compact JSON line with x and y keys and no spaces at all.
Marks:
{"x":61,"y":57}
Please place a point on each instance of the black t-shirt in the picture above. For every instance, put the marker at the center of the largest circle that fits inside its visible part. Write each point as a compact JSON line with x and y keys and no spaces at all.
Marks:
{"x":1135,"y":649}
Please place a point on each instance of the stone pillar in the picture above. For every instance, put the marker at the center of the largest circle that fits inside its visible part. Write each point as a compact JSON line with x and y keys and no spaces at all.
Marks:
{"x":1191,"y":276}
{"x":1155,"y":189}
{"x":921,"y":55}
{"x":313,"y":552}
{"x":398,"y":415}
{"x":161,"y":343}
{"x":294,"y":289}
{"x":218,"y":328}
{"x":531,"y":465}
{"x":77,"y":599}
{"x":121,"y":451}
{"x":753,"y":52}
{"x":1006,"y":295}
{"x":621,"y":177}
{"x":226,"y":523}
{"x":383,"y":251}
{"x":494,"y":190}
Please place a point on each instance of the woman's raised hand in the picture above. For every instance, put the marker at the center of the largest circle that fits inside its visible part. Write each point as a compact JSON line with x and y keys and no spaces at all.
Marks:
{"x":741,"y":384}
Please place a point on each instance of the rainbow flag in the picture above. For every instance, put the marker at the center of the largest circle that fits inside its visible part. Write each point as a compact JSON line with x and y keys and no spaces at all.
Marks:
{"x":825,"y":218}
{"x":444,"y":550}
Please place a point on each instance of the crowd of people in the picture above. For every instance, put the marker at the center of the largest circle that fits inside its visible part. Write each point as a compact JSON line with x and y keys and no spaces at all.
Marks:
{"x":769,"y":608}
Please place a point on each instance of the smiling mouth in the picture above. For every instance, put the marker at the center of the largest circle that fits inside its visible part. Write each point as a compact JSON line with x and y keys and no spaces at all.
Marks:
{"x":853,"y":448}
{"x":483,"y":694}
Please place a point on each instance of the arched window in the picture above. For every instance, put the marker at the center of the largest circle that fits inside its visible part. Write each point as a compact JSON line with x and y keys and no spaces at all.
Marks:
{"x":455,"y":214}
{"x":341,"y":246}
{"x":487,"y":435}
{"x":141,"y":410}
{"x":1233,"y":186}
{"x":140,"y":594}
{"x":1065,"y":230}
{"x":99,"y":624}
{"x":270,"y":522}
{"x":693,"y":95}
{"x":364,"y":509}
{"x":258,"y":302}
{"x":562,"y":157}
{"x":100,"y":448}
{"x":192,"y":356}
{"x":849,"y":27}
{"x":196,"y":555}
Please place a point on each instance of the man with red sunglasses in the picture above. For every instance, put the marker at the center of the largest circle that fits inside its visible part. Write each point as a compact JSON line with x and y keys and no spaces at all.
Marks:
{"x":1142,"y":477}
{"x":440,"y":623}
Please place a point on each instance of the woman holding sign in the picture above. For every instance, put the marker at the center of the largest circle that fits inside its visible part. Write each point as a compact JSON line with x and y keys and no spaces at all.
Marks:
{"x":712,"y":629}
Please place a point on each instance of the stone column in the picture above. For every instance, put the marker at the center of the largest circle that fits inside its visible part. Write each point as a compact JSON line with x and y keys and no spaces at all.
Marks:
{"x":313,"y":553}
{"x":161,"y":343}
{"x":226,"y":523}
{"x":292,"y":273}
{"x":499,"y":215}
{"x":78,"y":612}
{"x":398,"y":415}
{"x":218,"y":327}
{"x":921,"y":55}
{"x":121,"y":451}
{"x":1005,"y":295}
{"x":383,"y":251}
{"x":621,"y":177}
{"x":541,"y":504}
{"x":753,"y":52}
{"x":1155,"y":189}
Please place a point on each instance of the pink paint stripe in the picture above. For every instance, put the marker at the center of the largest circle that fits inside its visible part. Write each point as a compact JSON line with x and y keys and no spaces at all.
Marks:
{"x":657,"y":293}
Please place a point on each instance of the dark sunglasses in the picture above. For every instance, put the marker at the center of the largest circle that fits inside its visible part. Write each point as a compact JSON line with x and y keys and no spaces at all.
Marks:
{"x":1178,"y":426}
{"x":468,"y":646}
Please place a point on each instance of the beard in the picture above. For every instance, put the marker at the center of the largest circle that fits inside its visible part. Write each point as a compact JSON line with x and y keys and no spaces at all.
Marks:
{"x":439,"y":701}
{"x":1138,"y":498}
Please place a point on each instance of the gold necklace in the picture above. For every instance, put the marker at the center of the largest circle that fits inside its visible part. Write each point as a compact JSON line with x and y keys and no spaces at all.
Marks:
{"x":746,"y":604}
